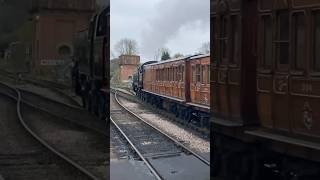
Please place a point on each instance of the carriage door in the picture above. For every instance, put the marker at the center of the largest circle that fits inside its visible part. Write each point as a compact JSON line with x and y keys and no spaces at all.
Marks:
{"x":309,"y":120}
{"x":213,"y":64}
{"x":264,"y":73}
{"x":298,"y":87}
{"x":281,"y":75}
{"x":248,"y":62}
{"x":223,"y":105}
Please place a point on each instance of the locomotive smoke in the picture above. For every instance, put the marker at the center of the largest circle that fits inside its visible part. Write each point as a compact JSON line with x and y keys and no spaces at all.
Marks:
{"x":171,"y":16}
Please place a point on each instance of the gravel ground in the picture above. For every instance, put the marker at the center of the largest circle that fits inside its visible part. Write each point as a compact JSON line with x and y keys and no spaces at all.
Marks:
{"x":119,"y":149}
{"x":22,"y":157}
{"x":85,"y":147}
{"x":187,"y":137}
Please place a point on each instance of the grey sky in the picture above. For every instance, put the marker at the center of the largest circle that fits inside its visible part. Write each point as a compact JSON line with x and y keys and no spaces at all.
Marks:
{"x":180,"y":25}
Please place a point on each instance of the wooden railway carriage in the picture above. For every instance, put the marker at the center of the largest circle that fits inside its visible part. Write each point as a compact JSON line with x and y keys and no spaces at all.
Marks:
{"x":200,"y":80}
{"x":166,"y":78}
{"x":233,"y":60}
{"x":170,"y":85}
{"x":265,"y":88}
{"x":288,"y":71}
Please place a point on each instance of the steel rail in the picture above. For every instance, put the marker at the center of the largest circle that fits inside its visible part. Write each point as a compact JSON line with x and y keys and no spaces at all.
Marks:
{"x":164,"y":133}
{"x":72,"y":109}
{"x":41,"y":85}
{"x":150,"y":167}
{"x":43,"y":142}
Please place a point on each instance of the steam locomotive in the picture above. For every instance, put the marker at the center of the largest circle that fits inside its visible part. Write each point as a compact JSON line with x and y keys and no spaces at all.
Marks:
{"x":265,"y":89}
{"x":91,"y":70}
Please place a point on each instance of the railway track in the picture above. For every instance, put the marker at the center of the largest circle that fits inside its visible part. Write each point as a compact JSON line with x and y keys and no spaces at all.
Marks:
{"x":165,"y":157}
{"x":65,"y":150}
{"x":201,"y":132}
{"x":43,"y":88}
{"x":191,"y":138}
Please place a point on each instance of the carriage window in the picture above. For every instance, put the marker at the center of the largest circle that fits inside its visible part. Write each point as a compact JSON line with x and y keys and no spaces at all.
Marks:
{"x":283,"y":39}
{"x":198,"y":73}
{"x":299,"y":44}
{"x":213,"y":38}
{"x":223,"y":40}
{"x":193,"y":74}
{"x":172,"y":74}
{"x":182,"y":73}
{"x":267,"y":42}
{"x":163,"y":74}
{"x":179,"y":74}
{"x":208,"y":74}
{"x":203,"y":74}
{"x":316,"y":41}
{"x":176,"y":74}
{"x":235,"y":39}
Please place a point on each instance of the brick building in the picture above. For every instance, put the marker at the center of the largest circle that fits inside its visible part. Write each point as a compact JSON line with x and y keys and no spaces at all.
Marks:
{"x":55,"y":23}
{"x":128,"y":65}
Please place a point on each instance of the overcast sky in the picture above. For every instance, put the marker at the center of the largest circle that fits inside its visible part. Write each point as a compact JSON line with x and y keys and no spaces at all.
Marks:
{"x":180,"y":25}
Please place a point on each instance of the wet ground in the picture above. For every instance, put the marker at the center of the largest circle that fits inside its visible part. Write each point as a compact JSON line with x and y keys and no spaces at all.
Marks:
{"x":186,"y":136}
{"x":183,"y":167}
{"x":170,"y":162}
{"x":123,"y":159}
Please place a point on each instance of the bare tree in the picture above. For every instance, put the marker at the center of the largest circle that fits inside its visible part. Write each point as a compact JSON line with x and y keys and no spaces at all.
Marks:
{"x":177,"y":55}
{"x":205,"y":48}
{"x":157,"y":55}
{"x":127,"y":46}
{"x":162,"y":54}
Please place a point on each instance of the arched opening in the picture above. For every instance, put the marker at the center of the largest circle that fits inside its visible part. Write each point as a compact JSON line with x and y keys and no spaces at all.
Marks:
{"x":64,"y":51}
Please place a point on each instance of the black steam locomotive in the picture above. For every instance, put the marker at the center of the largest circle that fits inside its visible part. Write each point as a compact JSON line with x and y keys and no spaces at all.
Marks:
{"x":91,"y":69}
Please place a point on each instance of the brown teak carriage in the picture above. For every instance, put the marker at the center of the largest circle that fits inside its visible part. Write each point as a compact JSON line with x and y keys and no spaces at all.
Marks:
{"x":265,"y":85}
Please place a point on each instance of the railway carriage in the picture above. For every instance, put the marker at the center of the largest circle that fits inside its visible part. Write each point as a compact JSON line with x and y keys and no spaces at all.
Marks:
{"x":200,"y":80}
{"x":265,"y":95}
{"x":166,"y":78}
{"x":180,"y":86}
